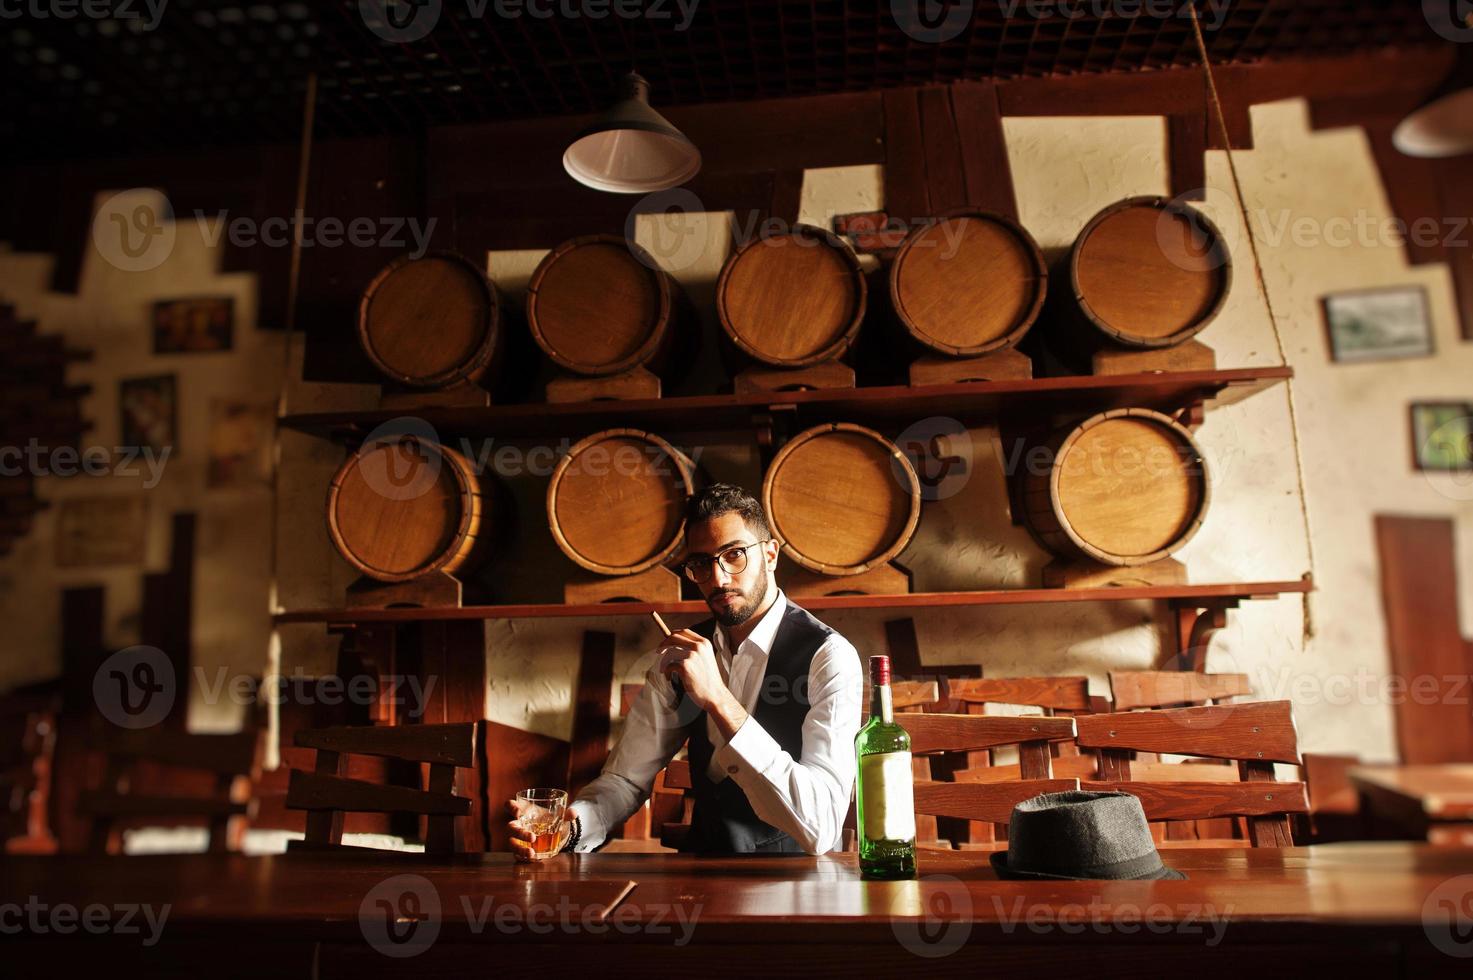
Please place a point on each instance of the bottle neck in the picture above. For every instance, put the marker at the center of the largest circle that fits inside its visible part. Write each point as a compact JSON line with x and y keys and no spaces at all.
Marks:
{"x":880,"y":705}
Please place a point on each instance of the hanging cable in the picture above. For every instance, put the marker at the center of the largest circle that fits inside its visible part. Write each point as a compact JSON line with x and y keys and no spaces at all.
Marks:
{"x":1273,"y":319}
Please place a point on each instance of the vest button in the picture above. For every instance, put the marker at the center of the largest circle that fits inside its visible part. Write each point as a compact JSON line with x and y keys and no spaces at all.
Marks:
{"x":732,"y":770}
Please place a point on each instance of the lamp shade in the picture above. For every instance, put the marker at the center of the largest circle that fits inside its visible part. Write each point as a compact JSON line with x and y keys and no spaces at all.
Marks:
{"x":631,"y":148}
{"x":1442,"y":126}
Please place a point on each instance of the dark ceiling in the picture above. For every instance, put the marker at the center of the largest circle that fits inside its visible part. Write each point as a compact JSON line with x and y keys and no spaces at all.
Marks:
{"x":211,"y":73}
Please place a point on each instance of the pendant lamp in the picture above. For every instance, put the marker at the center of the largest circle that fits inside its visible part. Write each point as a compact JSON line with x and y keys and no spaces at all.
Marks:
{"x":631,"y":148}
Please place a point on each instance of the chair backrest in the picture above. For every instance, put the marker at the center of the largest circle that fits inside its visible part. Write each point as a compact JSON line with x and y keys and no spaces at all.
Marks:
{"x":1134,"y":689}
{"x":1255,"y":735}
{"x":991,"y":802}
{"x":906,"y":696}
{"x":1068,"y":694}
{"x":225,"y":769}
{"x":1054,"y":696}
{"x":326,"y":795}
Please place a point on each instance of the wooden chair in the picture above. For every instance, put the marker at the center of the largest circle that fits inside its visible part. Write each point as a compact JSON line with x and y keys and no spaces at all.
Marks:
{"x":1133,"y":690}
{"x":219,"y":772}
{"x":1255,"y":735}
{"x":1060,"y":696}
{"x":326,"y":794}
{"x":1334,"y":804}
{"x":988,"y":802}
{"x":27,"y":751}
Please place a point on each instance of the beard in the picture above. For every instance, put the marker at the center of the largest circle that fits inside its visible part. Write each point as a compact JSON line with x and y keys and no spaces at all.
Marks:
{"x":747,"y":602}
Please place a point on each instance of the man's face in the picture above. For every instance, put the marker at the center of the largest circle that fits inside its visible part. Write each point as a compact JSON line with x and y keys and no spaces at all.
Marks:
{"x":733,"y":598}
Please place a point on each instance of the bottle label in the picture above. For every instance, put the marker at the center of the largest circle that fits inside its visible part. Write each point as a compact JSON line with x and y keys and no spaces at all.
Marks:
{"x":889,"y":798}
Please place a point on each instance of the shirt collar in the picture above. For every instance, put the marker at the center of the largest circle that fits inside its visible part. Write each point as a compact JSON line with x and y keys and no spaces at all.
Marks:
{"x":766,"y":629}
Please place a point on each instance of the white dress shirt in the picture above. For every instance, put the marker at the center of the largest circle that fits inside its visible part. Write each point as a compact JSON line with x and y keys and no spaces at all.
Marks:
{"x":806,"y":797}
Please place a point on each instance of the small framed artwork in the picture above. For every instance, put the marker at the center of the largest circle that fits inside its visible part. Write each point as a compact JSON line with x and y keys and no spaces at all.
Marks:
{"x":193,"y":326}
{"x":100,"y":531}
{"x":148,"y":408}
{"x":240,"y":444}
{"x":1378,"y":324}
{"x":1442,"y":435}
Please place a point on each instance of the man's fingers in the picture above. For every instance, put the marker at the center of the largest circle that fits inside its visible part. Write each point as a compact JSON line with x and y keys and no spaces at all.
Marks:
{"x":671,"y":659}
{"x":521,"y":850}
{"x":519,"y":832}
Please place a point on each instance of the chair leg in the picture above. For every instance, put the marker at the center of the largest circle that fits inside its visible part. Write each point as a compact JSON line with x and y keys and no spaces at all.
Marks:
{"x":326,"y":826}
{"x":440,"y":828}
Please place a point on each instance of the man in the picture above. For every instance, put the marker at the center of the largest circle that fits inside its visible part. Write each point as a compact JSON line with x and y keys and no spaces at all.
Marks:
{"x":770,"y":704}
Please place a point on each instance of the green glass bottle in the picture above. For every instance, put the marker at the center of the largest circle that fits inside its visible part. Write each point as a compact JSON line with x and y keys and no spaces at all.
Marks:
{"x":886,"y":798}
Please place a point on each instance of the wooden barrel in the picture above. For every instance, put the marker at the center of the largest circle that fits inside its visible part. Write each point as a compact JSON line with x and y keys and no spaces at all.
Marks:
{"x":1124,"y":487}
{"x":968,"y":283}
{"x":397,"y":510}
{"x":1146,"y":272}
{"x":600,"y":305}
{"x":616,"y":501}
{"x":430,"y":322}
{"x":841,"y":499}
{"x":792,"y":299}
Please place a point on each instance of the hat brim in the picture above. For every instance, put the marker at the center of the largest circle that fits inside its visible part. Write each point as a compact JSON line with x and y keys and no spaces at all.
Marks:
{"x":1004,"y":870}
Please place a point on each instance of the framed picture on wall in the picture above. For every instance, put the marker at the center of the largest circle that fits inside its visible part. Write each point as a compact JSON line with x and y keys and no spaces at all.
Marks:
{"x":240,"y":443}
{"x":148,"y":409}
{"x":1442,"y":435}
{"x":100,"y":531}
{"x":193,"y":326}
{"x":1378,"y":324}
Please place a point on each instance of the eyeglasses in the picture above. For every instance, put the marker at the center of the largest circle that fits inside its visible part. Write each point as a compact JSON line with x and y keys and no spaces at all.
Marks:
{"x":733,"y":561}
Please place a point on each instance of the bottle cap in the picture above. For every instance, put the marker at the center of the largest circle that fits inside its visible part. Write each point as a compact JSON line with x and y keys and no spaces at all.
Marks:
{"x":879,"y":670}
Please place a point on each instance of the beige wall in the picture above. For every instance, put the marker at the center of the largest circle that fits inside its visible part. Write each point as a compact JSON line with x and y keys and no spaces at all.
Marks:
{"x":1353,"y":425}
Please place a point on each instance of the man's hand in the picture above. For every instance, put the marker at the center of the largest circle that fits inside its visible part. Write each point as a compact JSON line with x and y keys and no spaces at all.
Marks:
{"x":521,"y":837}
{"x":689,"y":657}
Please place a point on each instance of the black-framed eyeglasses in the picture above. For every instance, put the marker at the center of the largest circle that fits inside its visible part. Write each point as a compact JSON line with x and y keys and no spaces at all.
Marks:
{"x":697,"y":568}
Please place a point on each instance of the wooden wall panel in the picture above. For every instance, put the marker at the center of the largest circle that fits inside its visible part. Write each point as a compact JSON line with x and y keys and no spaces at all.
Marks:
{"x":1419,"y":589}
{"x":945,"y":186}
{"x":906,"y":196}
{"x":986,"y":168}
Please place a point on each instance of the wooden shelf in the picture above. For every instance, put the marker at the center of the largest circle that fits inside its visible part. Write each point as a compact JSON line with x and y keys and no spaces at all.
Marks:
{"x":973,"y":402}
{"x":1186,"y":596}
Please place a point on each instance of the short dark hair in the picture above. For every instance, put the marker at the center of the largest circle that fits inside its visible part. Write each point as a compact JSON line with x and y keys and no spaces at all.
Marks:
{"x":726,"y":498}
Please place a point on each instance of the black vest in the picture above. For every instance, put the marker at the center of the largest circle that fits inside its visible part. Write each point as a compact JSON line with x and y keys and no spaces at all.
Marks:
{"x":723,"y":820}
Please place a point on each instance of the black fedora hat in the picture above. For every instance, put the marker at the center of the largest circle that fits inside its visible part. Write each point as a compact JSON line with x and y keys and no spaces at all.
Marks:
{"x":1077,"y":834}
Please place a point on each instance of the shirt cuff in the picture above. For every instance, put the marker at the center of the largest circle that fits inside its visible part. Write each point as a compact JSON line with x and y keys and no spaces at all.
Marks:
{"x":751,"y":749}
{"x":591,"y":825}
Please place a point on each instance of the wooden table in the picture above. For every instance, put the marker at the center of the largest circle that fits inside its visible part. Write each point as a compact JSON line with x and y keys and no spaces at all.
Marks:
{"x":1361,"y":909}
{"x":1427,"y":802}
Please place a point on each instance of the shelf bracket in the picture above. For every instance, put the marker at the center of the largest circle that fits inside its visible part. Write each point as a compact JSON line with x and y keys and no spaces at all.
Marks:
{"x":1191,"y":625}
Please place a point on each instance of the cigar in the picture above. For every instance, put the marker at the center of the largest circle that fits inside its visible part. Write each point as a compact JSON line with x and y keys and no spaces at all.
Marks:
{"x":660,"y":623}
{"x":674,"y":681}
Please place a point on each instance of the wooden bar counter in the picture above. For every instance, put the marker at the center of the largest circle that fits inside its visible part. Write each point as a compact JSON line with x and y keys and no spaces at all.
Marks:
{"x":1394,"y":909}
